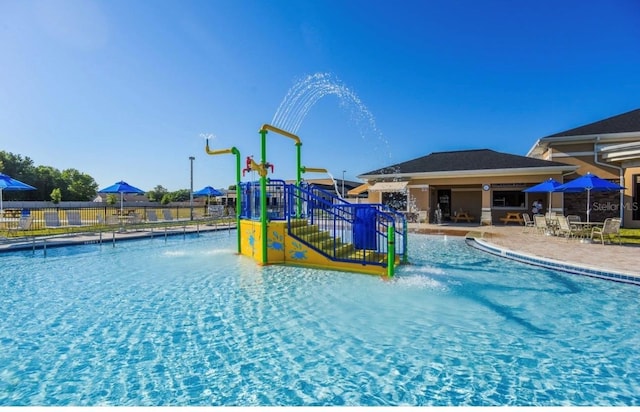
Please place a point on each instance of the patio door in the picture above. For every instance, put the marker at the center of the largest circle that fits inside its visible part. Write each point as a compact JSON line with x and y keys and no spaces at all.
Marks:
{"x":444,"y":200}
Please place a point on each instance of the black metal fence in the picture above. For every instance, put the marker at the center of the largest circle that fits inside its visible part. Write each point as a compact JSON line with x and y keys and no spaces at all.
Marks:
{"x":70,"y":215}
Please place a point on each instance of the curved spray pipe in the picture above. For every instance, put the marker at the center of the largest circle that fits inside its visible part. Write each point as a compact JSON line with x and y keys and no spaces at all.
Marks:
{"x":235,"y":152}
{"x":322,"y":170}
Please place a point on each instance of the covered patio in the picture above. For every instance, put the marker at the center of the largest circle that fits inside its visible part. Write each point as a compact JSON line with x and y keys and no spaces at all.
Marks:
{"x":470,"y":186}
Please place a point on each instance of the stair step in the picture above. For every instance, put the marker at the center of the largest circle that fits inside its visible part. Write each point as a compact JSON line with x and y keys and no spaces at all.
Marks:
{"x":296,"y":223}
{"x":344,"y":250}
{"x":328,"y":244}
{"x":366,"y":255}
{"x":315,"y":237}
{"x":306,"y":230}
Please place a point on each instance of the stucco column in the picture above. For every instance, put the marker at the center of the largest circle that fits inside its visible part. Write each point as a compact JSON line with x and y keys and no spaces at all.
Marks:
{"x":485,"y":217}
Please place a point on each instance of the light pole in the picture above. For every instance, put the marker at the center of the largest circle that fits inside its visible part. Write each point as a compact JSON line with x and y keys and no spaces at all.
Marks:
{"x":191,"y":159}
{"x":343,"y":172}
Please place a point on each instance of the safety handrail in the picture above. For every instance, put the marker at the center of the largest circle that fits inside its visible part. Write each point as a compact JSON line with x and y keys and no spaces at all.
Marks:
{"x":357,"y":232}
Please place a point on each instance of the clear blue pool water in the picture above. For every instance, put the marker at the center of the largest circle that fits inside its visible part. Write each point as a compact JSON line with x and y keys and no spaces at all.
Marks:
{"x":187,"y":322}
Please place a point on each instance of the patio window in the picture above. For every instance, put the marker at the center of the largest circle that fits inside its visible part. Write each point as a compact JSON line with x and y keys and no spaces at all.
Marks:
{"x":509,"y":199}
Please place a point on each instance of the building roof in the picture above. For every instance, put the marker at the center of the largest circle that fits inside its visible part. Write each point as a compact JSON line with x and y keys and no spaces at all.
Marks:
{"x":465,"y":160}
{"x":622,"y":123}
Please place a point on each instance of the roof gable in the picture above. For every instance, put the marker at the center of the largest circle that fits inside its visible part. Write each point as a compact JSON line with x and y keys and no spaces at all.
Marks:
{"x":481,"y":159}
{"x":622,"y":123}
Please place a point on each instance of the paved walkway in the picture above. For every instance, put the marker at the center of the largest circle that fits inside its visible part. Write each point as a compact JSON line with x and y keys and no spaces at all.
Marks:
{"x":592,"y":255}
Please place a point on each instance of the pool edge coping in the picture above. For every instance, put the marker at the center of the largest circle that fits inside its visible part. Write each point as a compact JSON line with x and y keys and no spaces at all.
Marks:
{"x":549,"y":263}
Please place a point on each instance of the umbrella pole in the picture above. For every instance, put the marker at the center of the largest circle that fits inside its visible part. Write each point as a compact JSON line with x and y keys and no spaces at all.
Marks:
{"x":121,"y":203}
{"x":588,"y":204}
{"x":1,"y":209}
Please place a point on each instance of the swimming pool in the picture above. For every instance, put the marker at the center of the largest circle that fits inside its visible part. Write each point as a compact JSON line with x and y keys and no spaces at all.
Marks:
{"x":188,"y":322}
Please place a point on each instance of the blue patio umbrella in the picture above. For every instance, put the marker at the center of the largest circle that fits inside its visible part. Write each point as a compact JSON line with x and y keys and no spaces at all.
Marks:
{"x":548,"y":186}
{"x":208,"y":191}
{"x":9,"y":183}
{"x":121,"y":187}
{"x":590,"y":183}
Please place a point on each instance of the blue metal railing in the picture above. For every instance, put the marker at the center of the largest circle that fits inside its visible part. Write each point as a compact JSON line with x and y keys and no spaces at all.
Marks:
{"x":343,"y":231}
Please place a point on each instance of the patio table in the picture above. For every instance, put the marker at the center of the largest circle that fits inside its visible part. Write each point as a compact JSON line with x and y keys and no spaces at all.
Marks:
{"x":9,"y":222}
{"x":515,"y":217}
{"x":585,"y":227}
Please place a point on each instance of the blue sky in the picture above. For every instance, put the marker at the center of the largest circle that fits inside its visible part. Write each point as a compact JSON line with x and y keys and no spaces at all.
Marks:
{"x":124,"y":89}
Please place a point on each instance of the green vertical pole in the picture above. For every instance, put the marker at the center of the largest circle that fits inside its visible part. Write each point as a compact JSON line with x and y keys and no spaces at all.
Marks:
{"x":298,"y":177}
{"x":391,"y":250}
{"x":405,"y":244}
{"x":238,"y":196}
{"x":298,"y":163}
{"x":263,"y":195}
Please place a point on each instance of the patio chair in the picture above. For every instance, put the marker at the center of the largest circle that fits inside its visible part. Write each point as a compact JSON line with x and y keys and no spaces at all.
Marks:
{"x":216,"y":211}
{"x":578,"y":229}
{"x":573,"y":218}
{"x":73,"y":218}
{"x":565,"y":229}
{"x":110,"y":221}
{"x":166,"y":213}
{"x":24,"y":224}
{"x":611,"y":228}
{"x":528,"y":223}
{"x":541,"y":224}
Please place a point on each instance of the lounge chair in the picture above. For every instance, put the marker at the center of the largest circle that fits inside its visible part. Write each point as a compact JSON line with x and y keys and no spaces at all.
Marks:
{"x":166,"y":213}
{"x":541,"y":224}
{"x":611,"y":228}
{"x":24,"y":224}
{"x":152,"y":216}
{"x":51,"y":219}
{"x":528,"y":223}
{"x":73,"y":218}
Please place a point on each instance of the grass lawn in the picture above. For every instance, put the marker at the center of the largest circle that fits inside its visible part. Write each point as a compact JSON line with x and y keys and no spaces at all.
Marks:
{"x":630,"y":236}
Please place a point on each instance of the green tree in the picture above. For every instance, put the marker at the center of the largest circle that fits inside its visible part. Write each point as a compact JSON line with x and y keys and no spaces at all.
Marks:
{"x":56,"y":195}
{"x":111,"y":199}
{"x":79,"y":186}
{"x":47,"y":178}
{"x":157,"y":193}
{"x":181,"y":195}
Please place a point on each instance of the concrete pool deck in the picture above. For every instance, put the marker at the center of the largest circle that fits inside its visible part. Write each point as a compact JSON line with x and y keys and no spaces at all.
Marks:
{"x":608,"y":257}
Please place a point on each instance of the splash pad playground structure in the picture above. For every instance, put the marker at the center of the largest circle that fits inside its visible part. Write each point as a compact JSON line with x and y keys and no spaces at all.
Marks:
{"x":304,"y":225}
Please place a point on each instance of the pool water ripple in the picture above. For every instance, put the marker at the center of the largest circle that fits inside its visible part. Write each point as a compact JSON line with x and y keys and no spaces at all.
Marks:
{"x":188,"y":322}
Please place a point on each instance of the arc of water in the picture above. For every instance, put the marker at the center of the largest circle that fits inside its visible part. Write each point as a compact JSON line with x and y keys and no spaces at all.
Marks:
{"x":305,"y":93}
{"x":335,"y":185}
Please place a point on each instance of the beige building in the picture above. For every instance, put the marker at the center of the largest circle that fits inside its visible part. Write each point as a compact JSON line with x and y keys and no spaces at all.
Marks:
{"x":610,"y":149}
{"x":487,"y":186}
